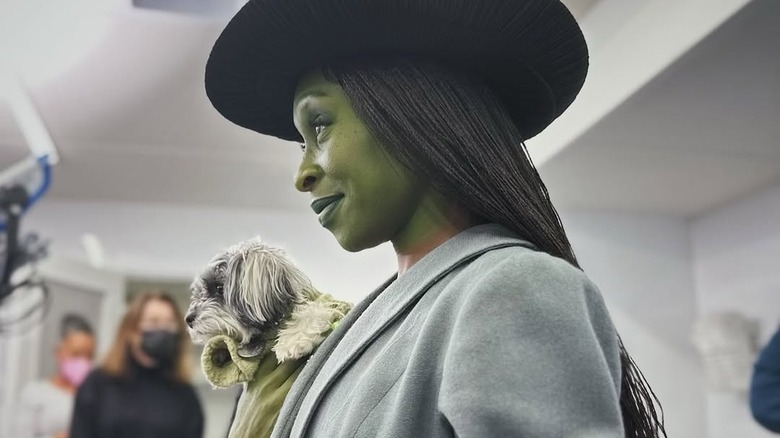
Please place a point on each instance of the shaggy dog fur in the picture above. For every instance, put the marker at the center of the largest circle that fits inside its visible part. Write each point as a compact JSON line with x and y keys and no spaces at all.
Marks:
{"x":255,"y":295}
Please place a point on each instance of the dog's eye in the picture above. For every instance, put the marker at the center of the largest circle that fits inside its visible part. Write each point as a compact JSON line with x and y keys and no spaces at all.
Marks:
{"x":216,"y":288}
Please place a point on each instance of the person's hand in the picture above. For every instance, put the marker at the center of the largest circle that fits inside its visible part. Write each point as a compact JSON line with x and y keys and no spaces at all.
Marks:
{"x":263,"y":397}
{"x":61,"y":435}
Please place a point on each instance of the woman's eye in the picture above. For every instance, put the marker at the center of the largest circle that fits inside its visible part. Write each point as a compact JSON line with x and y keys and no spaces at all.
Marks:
{"x":319,"y":129}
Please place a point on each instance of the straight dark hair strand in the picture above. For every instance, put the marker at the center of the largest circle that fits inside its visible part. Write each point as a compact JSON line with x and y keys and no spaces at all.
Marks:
{"x":445,"y":124}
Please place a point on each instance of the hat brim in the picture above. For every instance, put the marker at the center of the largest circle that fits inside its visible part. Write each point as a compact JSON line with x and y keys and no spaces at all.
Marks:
{"x":530,"y":52}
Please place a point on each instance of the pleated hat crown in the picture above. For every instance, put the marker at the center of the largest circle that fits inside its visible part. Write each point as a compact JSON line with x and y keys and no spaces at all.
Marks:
{"x":530,"y":52}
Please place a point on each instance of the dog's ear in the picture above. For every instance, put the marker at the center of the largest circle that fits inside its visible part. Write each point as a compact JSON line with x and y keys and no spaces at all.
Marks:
{"x":262,"y":284}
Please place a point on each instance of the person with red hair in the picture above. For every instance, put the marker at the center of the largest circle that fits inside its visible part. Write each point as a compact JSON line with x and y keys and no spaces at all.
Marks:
{"x":142,"y":389}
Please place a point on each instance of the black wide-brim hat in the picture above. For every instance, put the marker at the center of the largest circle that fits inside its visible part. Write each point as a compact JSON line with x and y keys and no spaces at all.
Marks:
{"x":530,"y":52}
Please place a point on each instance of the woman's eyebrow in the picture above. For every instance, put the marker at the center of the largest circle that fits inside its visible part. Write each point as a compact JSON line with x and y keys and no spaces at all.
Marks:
{"x":314,"y":93}
{"x":307,"y":95}
{"x":304,"y":99}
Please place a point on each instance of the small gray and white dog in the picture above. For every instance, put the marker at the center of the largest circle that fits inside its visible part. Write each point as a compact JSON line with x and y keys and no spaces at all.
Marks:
{"x":254,"y":294}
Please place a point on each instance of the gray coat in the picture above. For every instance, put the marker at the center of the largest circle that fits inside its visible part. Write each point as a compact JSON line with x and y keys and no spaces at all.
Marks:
{"x":484,"y":337}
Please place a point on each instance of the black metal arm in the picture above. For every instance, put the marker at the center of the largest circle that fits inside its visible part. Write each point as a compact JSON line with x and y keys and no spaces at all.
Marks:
{"x":12,"y":201}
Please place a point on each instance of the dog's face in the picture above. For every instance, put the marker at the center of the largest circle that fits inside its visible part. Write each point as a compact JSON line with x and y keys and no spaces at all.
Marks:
{"x":243,"y":293}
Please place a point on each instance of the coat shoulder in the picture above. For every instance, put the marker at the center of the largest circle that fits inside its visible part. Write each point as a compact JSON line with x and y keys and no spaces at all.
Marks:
{"x":520,"y":268}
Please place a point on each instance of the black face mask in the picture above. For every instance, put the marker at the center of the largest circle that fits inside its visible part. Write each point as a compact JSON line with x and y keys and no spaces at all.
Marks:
{"x":160,"y":345}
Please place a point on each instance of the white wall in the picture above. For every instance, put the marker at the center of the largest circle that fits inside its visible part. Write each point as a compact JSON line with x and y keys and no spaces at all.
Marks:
{"x":736,"y":253}
{"x":217,"y":406}
{"x":158,"y":241}
{"x":642,"y":266}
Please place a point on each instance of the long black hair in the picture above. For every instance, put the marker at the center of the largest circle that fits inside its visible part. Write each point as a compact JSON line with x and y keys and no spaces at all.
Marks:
{"x":443,"y":123}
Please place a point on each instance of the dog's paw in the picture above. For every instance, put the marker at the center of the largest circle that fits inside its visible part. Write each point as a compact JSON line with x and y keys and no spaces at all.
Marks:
{"x":304,"y":331}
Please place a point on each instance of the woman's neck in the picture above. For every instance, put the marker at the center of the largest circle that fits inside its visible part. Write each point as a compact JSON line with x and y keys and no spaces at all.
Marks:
{"x":142,"y":359}
{"x":412,"y":255}
{"x":424,"y":234}
{"x":60,"y":383}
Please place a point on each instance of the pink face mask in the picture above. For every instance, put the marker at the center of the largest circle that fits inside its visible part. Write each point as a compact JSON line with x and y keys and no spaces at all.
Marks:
{"x":75,"y":370}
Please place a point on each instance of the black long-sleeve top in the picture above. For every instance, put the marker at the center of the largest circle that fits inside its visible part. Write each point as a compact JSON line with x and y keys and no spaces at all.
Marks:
{"x":765,"y":387}
{"x":146,"y":404}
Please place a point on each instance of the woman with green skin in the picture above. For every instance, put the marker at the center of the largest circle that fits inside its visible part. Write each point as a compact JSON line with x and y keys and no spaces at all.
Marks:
{"x":365,"y":196}
{"x":412,"y":117}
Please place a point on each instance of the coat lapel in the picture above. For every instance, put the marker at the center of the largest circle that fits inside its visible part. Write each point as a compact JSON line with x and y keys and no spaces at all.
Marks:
{"x":377,"y":312}
{"x":294,"y":398}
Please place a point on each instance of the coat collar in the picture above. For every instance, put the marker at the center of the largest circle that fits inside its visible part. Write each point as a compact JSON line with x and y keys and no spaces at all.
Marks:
{"x":392,"y":298}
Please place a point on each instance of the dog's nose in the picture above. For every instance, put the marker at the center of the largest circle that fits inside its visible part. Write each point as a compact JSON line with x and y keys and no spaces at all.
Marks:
{"x":190,"y":318}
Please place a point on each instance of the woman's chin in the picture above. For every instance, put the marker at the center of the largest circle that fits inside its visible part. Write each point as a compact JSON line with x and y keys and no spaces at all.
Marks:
{"x":354,"y":243}
{"x":350,"y":246}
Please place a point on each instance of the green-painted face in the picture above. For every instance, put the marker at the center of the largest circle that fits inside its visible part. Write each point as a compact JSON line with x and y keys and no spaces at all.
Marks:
{"x":362,"y":195}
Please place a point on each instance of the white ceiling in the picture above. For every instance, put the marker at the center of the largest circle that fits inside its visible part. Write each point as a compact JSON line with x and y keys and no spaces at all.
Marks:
{"x":705,"y":131}
{"x":132,"y":123}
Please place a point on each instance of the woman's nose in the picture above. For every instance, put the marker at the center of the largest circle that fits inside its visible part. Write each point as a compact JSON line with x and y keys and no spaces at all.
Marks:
{"x":306,"y":177}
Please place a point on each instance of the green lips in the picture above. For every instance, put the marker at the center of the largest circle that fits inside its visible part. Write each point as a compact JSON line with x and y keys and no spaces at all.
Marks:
{"x":319,"y":204}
